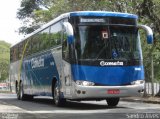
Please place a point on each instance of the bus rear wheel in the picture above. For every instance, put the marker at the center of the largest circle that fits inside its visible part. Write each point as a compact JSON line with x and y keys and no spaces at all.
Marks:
{"x":23,"y":96}
{"x":58,"y":100}
{"x":20,"y":93}
{"x":112,"y":101}
{"x":17,"y":90}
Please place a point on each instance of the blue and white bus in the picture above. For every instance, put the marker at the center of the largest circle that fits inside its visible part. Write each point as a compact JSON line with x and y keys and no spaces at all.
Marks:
{"x":84,"y":55}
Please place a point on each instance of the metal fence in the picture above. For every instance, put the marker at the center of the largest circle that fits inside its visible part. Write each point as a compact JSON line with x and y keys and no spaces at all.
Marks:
{"x":152,"y":77}
{"x":152,"y":89}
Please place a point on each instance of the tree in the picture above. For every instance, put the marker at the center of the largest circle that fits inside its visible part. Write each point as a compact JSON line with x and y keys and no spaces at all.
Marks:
{"x":27,"y":11}
{"x":4,"y":60}
{"x":150,"y":13}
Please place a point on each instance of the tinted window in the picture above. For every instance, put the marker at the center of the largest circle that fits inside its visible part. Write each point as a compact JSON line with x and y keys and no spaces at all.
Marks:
{"x":65,"y":47}
{"x":35,"y":43}
{"x":108,"y":42}
{"x":20,"y":49}
{"x":126,"y":21}
{"x":55,"y":33}
{"x":44,"y":42}
{"x":14,"y":53}
{"x":47,"y":38}
{"x":28,"y":49}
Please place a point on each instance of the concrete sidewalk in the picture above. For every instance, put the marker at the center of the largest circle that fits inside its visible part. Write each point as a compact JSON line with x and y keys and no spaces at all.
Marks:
{"x":153,"y":100}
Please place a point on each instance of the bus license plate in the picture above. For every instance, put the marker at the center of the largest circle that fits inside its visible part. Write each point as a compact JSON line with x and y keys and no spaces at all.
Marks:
{"x":113,"y":91}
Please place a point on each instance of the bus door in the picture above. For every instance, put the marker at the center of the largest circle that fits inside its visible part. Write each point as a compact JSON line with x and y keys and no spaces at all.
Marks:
{"x":66,"y":80}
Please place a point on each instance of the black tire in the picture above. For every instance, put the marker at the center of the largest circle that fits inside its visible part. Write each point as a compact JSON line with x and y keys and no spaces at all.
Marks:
{"x":112,"y":101}
{"x":58,"y":100}
{"x":27,"y":97}
{"x":18,"y":91}
{"x":21,"y":92}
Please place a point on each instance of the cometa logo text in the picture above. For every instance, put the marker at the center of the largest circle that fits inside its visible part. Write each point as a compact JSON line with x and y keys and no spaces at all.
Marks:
{"x":103,"y":63}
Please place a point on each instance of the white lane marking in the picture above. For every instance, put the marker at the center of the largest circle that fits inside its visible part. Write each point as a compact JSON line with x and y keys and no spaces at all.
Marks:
{"x":128,"y":106}
{"x":69,"y":111}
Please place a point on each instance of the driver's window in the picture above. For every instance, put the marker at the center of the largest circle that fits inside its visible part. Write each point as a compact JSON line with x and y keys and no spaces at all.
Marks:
{"x":65,"y":47}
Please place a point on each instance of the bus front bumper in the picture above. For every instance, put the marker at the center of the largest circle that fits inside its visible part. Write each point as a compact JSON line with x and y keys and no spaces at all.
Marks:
{"x":102,"y":92}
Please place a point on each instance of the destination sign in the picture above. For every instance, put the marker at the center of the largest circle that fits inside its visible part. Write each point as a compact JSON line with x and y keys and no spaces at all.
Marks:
{"x":92,"y":20}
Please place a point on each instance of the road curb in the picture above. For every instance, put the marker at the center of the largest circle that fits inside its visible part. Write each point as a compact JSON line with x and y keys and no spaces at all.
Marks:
{"x":141,"y":100}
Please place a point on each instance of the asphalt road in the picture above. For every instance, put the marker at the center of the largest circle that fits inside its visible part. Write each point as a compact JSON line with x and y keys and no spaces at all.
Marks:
{"x":43,"y":108}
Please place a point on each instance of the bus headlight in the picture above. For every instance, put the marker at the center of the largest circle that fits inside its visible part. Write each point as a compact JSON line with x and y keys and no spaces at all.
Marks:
{"x":138,"y":82}
{"x":84,"y":83}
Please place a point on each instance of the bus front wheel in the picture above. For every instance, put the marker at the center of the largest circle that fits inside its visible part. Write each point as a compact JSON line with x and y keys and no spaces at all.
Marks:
{"x":112,"y":101}
{"x":58,"y":100}
{"x":20,"y":93}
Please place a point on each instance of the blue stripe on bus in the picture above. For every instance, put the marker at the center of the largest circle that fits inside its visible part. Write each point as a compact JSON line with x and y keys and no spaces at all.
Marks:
{"x":38,"y":80}
{"x":108,"y":75}
{"x":101,"y":13}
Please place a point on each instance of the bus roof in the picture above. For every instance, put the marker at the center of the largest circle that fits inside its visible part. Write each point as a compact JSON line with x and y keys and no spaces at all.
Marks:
{"x":103,"y":13}
{"x":81,"y":13}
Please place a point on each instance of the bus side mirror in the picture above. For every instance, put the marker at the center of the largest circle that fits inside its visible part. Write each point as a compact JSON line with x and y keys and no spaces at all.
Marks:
{"x":69,"y":30}
{"x":149,"y":33}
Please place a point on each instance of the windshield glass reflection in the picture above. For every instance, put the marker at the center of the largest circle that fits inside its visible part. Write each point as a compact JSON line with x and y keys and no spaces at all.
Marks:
{"x":108,"y":42}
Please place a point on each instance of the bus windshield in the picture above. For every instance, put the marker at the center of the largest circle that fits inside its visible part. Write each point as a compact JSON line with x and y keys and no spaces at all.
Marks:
{"x":108,"y":42}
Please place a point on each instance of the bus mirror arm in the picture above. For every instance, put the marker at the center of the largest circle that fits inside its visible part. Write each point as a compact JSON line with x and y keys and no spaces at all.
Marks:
{"x":69,"y":30}
{"x":149,"y":33}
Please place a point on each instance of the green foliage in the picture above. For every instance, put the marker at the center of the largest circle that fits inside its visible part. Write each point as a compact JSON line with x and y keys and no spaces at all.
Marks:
{"x":4,"y":60}
{"x":31,"y":11}
{"x":27,"y":7}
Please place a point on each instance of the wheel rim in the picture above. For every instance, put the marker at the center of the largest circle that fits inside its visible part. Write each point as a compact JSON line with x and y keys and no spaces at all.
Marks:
{"x":18,"y":93}
{"x":21,"y":91}
{"x":56,"y":95}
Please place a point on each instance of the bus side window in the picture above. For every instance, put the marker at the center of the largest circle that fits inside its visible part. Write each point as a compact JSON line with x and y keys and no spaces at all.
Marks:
{"x":20,"y":49}
{"x":12,"y":54}
{"x":28,"y":48}
{"x":15,"y":53}
{"x":44,"y":39}
{"x":35,"y":43}
{"x":65,"y":47}
{"x":55,"y":32}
